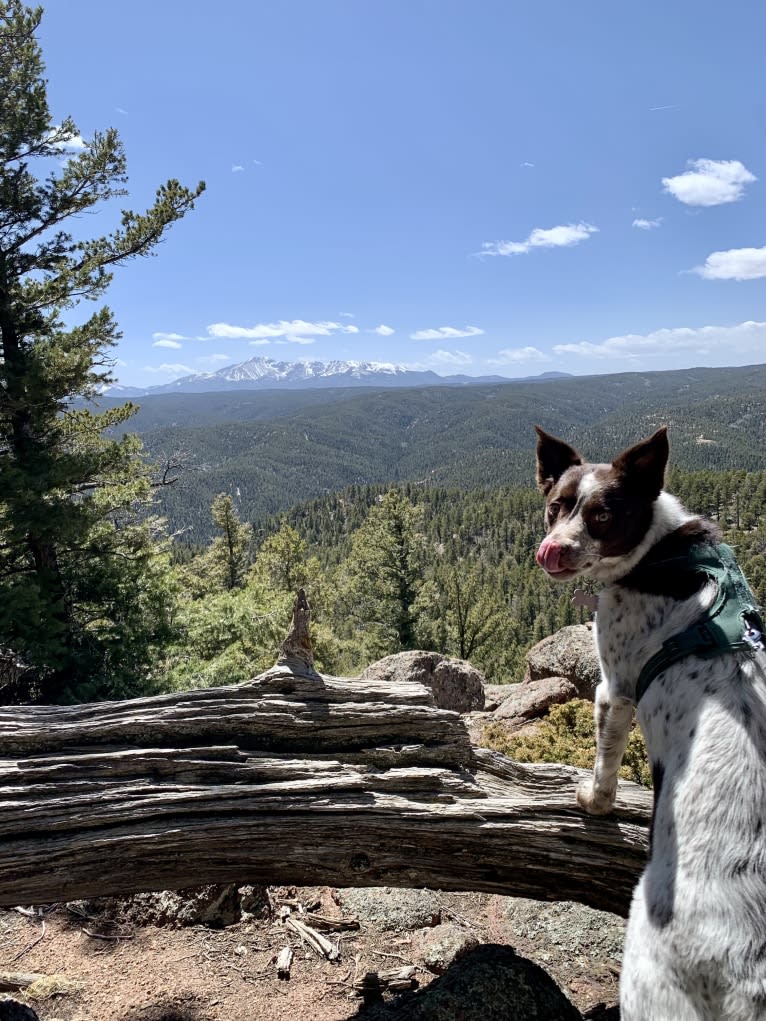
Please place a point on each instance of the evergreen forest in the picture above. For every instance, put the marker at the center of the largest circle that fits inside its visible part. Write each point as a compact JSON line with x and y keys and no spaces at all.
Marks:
{"x":272,"y":449}
{"x":159,"y":548}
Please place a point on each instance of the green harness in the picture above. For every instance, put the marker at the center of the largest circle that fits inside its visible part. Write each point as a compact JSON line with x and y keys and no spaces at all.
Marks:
{"x":732,"y":624}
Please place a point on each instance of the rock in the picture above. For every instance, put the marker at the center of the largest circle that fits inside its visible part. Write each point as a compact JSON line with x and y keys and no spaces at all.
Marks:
{"x":496,"y":694}
{"x":574,"y":929}
{"x":444,"y":945}
{"x":214,"y":906}
{"x":491,"y":983}
{"x":390,"y":908}
{"x":476,"y":724}
{"x":570,"y":653}
{"x":13,"y":1010}
{"x":254,"y":900}
{"x":533,"y":699}
{"x":455,"y":683}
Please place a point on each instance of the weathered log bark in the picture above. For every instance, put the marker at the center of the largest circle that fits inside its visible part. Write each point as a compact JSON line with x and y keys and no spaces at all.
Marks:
{"x":294,"y":778}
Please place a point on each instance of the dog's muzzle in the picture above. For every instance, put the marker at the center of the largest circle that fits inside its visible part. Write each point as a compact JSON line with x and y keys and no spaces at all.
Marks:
{"x":548,"y":556}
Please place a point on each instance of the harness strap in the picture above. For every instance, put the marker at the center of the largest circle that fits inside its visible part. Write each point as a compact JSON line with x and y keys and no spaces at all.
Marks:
{"x":727,"y":626}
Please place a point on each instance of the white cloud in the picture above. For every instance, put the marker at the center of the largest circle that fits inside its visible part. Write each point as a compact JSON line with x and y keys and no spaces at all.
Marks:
{"x":162,"y":335}
{"x":647,"y":224}
{"x":446,"y":333}
{"x":704,"y":340}
{"x":383,"y":330}
{"x":709,"y":182}
{"x":166,"y":342}
{"x":71,"y":144}
{"x":170,"y":369}
{"x":526,"y":164}
{"x":735,"y":264}
{"x":296,"y":330}
{"x":563,"y":236}
{"x":348,"y":315}
{"x":237,"y":168}
{"x":450,"y":358}
{"x":519,"y":355}
{"x":122,"y":110}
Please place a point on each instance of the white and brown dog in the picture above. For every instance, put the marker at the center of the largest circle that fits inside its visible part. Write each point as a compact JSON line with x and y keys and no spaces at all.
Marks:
{"x":677,"y":633}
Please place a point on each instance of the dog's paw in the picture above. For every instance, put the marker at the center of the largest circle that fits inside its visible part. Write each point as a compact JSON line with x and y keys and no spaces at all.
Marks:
{"x":595,"y":802}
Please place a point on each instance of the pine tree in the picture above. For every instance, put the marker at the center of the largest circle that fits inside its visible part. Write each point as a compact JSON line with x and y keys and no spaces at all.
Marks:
{"x":459,"y":612}
{"x":384,"y":573}
{"x":74,"y":564}
{"x":281,"y":560}
{"x":229,"y":553}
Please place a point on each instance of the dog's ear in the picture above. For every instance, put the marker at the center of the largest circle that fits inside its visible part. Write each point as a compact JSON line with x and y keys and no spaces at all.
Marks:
{"x":643,"y":465}
{"x":554,"y":456}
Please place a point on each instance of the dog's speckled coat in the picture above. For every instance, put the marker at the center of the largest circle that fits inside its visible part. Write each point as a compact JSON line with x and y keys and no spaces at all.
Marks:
{"x":695,"y":947}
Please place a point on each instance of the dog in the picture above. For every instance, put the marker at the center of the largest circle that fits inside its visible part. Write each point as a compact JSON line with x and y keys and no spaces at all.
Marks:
{"x":677,"y":634}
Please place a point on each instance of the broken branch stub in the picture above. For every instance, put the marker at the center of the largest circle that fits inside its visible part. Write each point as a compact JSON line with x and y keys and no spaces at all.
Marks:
{"x":297,"y":645}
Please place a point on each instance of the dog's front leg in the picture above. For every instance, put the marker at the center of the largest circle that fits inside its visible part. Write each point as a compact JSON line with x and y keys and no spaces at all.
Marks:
{"x":613,"y":719}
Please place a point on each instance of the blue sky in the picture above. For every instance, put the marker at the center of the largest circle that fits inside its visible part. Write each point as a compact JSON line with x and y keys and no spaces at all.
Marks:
{"x":493,"y":186}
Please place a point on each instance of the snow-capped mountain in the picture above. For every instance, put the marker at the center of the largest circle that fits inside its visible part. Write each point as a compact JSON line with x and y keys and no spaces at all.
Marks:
{"x":266,"y":371}
{"x":263,"y":373}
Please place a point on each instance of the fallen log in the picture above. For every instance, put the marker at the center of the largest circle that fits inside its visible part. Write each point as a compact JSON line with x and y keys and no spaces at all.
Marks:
{"x":297,"y":778}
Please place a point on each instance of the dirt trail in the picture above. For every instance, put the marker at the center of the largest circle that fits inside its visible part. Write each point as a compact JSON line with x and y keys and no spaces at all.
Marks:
{"x":146,"y":972}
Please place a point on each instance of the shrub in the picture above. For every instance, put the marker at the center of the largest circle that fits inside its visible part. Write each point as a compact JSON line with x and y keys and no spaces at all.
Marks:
{"x":568,"y":735}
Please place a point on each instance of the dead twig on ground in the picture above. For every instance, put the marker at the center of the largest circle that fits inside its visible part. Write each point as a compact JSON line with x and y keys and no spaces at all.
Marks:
{"x":78,"y":912}
{"x":12,"y":981}
{"x":342,"y":981}
{"x":394,"y":957}
{"x":29,"y":946}
{"x":284,"y":962}
{"x":101,"y":935}
{"x":314,"y":939}
{"x":327,"y":924}
{"x":397,"y":980}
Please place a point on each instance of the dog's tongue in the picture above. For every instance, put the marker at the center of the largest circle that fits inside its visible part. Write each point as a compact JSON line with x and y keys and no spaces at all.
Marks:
{"x":549,"y":555}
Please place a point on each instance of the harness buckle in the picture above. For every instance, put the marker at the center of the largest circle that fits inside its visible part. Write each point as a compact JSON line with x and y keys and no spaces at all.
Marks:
{"x":671,"y":647}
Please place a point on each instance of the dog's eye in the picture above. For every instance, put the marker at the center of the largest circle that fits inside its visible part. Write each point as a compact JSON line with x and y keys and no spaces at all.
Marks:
{"x":603,"y":516}
{"x":554,"y":509}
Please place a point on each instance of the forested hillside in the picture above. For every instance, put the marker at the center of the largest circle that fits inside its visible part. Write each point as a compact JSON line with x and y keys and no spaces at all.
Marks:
{"x":290,"y":447}
{"x":386,"y":570}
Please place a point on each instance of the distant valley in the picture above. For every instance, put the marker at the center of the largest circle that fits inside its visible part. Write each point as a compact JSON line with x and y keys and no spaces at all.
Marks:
{"x":272,"y":448}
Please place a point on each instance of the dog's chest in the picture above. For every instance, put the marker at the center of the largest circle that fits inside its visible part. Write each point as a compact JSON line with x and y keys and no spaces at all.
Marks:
{"x":631,"y":627}
{"x":626,"y":623}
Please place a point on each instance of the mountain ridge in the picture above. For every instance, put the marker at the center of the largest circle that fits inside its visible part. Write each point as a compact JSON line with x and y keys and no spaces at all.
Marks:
{"x":262,"y":372}
{"x":272,"y":449}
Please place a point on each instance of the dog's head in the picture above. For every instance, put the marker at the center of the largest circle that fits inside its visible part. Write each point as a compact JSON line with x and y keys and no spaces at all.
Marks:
{"x":596,"y":515}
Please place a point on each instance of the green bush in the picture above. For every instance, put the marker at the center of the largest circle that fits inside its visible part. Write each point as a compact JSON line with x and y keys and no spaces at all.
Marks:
{"x":568,"y":735}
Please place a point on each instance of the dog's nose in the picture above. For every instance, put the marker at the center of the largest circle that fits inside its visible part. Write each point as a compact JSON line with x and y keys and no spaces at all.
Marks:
{"x":548,"y":555}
